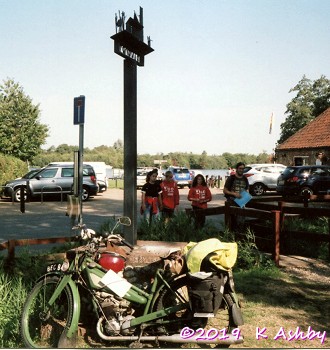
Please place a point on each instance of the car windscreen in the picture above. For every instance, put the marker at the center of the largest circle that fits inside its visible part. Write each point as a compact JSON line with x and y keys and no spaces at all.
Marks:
{"x":181,"y":171}
{"x":30,"y":174}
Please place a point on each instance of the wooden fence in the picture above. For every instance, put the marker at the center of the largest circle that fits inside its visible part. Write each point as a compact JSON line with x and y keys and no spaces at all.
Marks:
{"x":263,"y":209}
{"x":274,"y":210}
{"x":12,"y":243}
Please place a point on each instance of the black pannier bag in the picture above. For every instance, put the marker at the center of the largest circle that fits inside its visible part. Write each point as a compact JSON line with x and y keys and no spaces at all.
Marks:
{"x":205,"y":292}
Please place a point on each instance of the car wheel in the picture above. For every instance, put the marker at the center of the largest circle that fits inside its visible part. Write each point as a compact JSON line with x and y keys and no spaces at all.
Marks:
{"x":17,"y":195}
{"x":85,"y":194}
{"x":258,"y":189}
{"x":306,"y":191}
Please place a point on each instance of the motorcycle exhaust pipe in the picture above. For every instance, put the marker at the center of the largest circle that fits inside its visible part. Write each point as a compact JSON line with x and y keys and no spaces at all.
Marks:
{"x":175,"y":338}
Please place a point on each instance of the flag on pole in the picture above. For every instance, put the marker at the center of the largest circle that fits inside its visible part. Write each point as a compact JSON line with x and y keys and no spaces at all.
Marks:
{"x":271,"y":124}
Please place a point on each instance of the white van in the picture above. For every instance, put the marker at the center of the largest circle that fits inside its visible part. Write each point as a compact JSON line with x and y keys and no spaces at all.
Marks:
{"x":100,"y":169}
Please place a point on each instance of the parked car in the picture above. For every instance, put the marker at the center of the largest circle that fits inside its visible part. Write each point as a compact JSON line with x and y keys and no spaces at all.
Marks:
{"x":141,"y":176}
{"x":181,"y":175}
{"x":52,"y":179}
{"x":100,"y":172}
{"x":299,"y":180}
{"x":263,"y":177}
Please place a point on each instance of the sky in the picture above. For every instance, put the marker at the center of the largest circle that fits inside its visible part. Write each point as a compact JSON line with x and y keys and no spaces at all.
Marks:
{"x":218,"y":71}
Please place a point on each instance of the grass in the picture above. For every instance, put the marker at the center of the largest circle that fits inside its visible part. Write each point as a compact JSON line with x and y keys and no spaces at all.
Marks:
{"x":302,"y":247}
{"x":116,"y":183}
{"x":272,"y":299}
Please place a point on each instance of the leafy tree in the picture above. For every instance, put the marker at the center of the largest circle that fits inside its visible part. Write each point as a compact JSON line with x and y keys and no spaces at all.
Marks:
{"x":21,"y":133}
{"x":119,"y":145}
{"x":311,"y":100}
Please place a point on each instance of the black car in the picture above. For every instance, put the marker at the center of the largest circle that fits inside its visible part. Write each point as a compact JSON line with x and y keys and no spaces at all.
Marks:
{"x":299,"y":180}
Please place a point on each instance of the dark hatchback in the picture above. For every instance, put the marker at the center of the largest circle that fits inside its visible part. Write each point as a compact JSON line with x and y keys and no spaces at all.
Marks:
{"x":299,"y":180}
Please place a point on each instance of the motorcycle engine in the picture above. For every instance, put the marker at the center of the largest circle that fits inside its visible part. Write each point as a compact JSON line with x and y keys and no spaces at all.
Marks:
{"x":115,"y":313}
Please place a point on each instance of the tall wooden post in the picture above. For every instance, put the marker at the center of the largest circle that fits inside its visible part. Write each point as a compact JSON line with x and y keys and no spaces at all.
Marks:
{"x":130,"y":148}
{"x":128,"y":43}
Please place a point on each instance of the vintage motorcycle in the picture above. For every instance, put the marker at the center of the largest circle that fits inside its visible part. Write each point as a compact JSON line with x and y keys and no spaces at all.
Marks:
{"x":160,"y":311}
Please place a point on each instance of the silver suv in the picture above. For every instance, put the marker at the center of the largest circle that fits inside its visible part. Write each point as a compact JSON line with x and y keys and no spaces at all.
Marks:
{"x":53,"y":179}
{"x":263,"y":177}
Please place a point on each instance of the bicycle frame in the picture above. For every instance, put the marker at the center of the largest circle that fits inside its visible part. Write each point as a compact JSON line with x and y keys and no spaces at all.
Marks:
{"x":94,"y":273}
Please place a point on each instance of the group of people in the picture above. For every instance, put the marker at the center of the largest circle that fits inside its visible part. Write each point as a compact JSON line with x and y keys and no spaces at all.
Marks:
{"x":160,"y":198}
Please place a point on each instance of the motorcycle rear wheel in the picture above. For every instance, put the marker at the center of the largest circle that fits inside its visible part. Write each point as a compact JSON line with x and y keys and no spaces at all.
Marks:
{"x":223,"y":319}
{"x":41,"y":328}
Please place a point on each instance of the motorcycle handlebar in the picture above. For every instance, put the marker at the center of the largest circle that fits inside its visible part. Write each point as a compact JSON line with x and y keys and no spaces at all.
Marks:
{"x":129,"y":245}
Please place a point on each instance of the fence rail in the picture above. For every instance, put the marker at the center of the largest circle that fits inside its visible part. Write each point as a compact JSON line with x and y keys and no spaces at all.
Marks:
{"x":12,"y":243}
{"x":276,"y":212}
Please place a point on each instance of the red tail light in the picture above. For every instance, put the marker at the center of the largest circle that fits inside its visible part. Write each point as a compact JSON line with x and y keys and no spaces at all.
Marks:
{"x":248,"y":175}
{"x":293,"y":179}
{"x":93,"y":178}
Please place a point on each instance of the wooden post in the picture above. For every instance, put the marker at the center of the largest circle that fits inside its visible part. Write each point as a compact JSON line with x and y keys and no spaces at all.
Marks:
{"x":280,"y":208}
{"x":228,"y":222}
{"x":329,"y":234}
{"x":276,"y":216}
{"x":11,"y":250}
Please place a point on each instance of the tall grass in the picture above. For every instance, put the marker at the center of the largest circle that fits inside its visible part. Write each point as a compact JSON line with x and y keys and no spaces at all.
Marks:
{"x":15,"y":283}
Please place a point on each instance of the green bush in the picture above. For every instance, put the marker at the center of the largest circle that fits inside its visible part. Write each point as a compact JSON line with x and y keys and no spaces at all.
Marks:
{"x":11,"y":168}
{"x":181,"y":229}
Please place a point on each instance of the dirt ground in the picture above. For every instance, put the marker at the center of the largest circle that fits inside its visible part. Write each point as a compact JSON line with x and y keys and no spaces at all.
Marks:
{"x":306,"y":268}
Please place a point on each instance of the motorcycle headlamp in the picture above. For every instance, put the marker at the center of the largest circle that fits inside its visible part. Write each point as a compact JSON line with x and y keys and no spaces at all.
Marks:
{"x":65,"y":265}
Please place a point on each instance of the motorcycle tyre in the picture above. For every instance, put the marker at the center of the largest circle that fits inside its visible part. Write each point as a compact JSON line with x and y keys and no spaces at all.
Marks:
{"x":164,"y":300}
{"x":53,"y":335}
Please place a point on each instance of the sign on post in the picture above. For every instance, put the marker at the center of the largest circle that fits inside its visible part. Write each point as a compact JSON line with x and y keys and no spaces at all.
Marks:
{"x":79,"y":110}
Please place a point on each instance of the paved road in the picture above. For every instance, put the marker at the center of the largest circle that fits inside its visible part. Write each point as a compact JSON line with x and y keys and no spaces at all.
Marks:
{"x":48,"y":219}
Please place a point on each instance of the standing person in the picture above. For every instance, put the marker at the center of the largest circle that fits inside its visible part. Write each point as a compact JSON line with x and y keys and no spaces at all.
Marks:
{"x":199,"y":194}
{"x":318,"y":157}
{"x":170,"y":196}
{"x":151,"y":200}
{"x":234,"y":185}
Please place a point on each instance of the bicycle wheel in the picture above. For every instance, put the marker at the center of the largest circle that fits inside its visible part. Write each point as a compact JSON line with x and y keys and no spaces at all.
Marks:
{"x":42,"y":326}
{"x":177,"y":321}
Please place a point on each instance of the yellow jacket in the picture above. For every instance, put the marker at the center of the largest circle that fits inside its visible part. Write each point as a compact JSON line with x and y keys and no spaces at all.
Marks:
{"x":225,"y":258}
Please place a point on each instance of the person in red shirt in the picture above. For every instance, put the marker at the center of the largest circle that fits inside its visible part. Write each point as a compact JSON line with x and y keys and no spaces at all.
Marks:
{"x":170,"y":196}
{"x":199,"y":194}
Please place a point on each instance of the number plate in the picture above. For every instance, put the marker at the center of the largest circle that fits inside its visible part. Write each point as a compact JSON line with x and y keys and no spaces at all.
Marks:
{"x":54,"y":267}
{"x":281,"y":182}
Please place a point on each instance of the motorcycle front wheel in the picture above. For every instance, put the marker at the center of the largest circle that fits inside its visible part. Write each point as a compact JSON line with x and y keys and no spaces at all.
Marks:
{"x":43,"y":326}
{"x":175,"y":322}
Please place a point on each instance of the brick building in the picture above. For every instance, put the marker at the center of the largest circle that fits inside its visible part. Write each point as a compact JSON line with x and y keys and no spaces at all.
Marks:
{"x":302,"y":147}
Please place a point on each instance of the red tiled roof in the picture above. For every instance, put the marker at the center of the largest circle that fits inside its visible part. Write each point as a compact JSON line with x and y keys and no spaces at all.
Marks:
{"x":313,"y":135}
